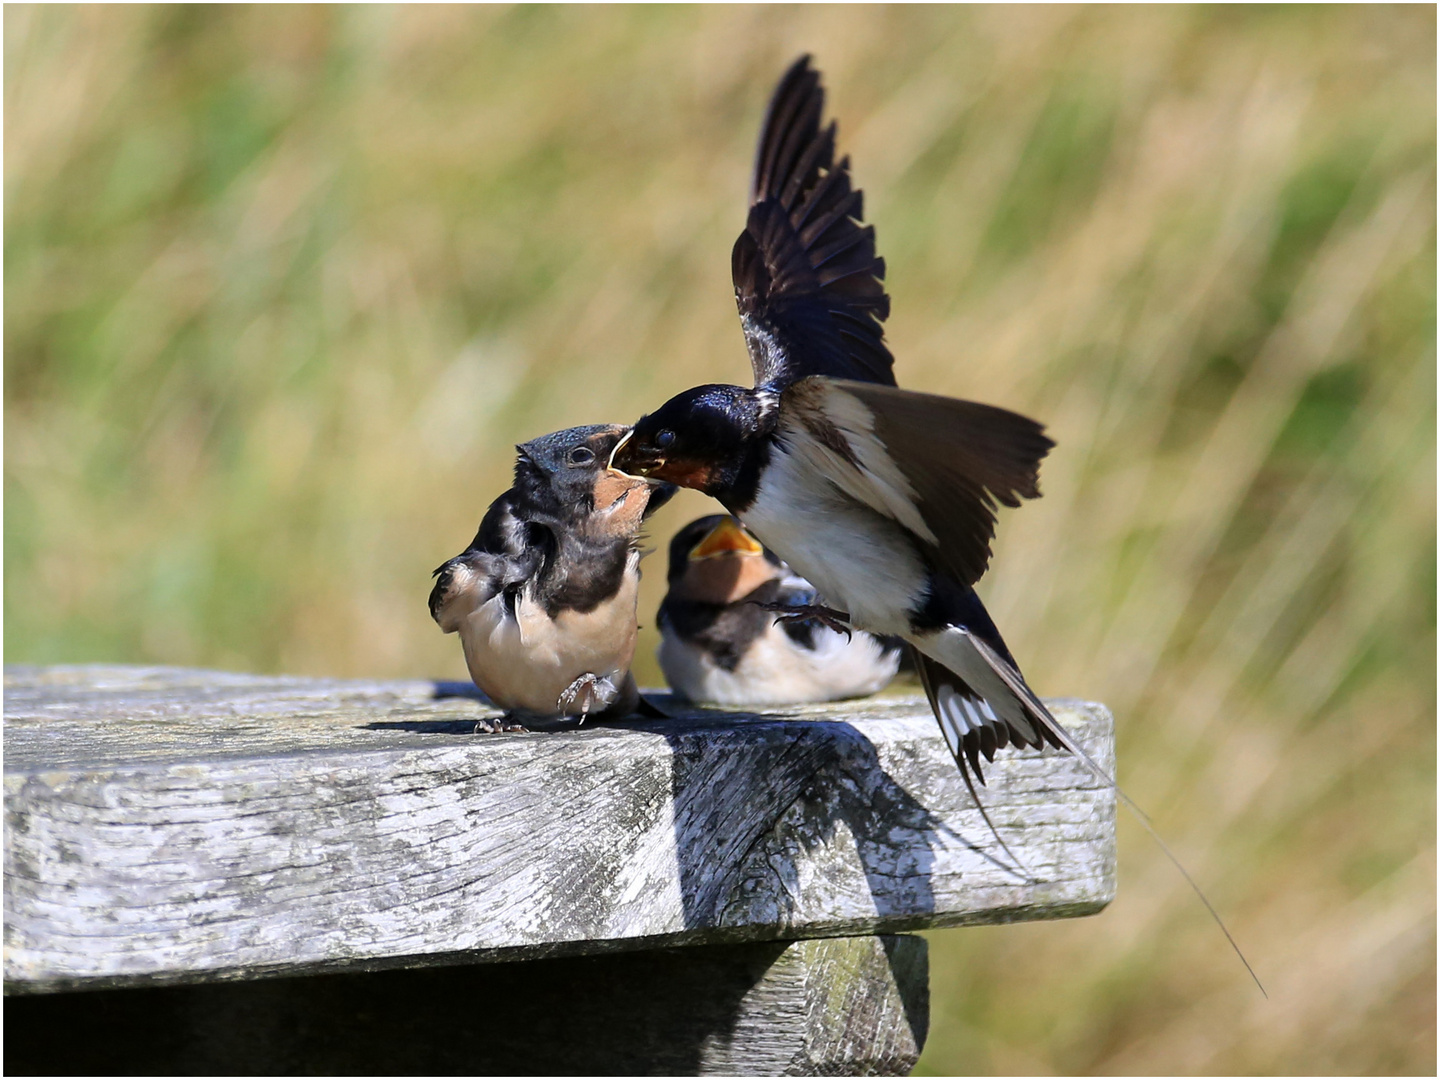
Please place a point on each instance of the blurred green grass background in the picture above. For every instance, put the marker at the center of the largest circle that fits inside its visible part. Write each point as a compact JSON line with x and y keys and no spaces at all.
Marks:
{"x":283,"y":286}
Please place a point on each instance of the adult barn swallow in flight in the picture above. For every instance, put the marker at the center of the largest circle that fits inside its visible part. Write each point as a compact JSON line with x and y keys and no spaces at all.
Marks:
{"x":720,"y":640}
{"x":544,"y":598}
{"x":883,"y":498}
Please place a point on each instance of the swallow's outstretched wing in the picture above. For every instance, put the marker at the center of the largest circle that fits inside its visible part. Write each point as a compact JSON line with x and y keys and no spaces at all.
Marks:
{"x":935,"y":465}
{"x":807,"y":280}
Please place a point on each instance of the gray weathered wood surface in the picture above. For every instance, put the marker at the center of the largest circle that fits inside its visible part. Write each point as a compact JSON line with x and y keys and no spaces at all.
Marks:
{"x":832,"y":1006}
{"x":168,"y":825}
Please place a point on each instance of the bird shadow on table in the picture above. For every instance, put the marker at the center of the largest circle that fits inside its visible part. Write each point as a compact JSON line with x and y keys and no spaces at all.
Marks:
{"x":788,"y":795}
{"x":798,"y":785}
{"x":772,"y":812}
{"x":447,"y":690}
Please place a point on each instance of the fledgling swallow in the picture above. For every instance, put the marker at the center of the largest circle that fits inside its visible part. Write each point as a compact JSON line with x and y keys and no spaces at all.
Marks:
{"x":721,"y":641}
{"x":544,"y":598}
{"x":883,"y":498}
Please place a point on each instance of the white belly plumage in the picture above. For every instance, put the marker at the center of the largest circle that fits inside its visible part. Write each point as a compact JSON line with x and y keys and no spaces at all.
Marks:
{"x":776,"y":670}
{"x":528,"y":661}
{"x":862,"y":561}
{"x":857,"y":559}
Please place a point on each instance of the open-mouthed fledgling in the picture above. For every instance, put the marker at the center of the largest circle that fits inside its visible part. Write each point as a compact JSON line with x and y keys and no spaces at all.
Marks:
{"x":721,"y":640}
{"x":544,"y":598}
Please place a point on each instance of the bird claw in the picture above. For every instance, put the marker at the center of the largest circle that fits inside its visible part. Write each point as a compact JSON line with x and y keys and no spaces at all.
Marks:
{"x":831,"y":618}
{"x":589,"y":693}
{"x":499,"y":726}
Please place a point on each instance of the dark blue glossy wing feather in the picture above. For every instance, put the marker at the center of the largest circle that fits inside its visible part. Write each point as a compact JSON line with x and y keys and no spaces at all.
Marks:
{"x":807,"y":279}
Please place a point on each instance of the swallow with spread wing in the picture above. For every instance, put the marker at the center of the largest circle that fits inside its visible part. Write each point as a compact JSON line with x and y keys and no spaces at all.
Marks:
{"x":721,"y":640}
{"x":883,"y":498}
{"x":544,"y":598}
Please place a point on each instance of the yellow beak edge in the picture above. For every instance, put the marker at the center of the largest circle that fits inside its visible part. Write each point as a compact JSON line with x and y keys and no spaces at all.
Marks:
{"x":726,"y":537}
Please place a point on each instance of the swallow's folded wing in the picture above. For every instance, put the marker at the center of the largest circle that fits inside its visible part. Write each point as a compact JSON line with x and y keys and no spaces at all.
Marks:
{"x":807,"y":280}
{"x":462,"y":585}
{"x":936,"y":465}
{"x":508,"y":550}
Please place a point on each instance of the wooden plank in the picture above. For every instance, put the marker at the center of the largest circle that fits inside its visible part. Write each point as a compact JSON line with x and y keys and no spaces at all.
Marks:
{"x":836,"y":1006}
{"x":177,"y":826}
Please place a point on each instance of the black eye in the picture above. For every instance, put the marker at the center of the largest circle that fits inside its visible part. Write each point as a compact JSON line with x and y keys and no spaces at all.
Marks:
{"x":664,"y":437}
{"x":581,"y":455}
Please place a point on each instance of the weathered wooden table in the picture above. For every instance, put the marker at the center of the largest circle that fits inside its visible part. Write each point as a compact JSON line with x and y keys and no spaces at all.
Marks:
{"x":227,"y":865}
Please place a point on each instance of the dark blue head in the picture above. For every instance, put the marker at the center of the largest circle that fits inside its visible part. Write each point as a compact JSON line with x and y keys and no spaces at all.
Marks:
{"x":708,"y":438}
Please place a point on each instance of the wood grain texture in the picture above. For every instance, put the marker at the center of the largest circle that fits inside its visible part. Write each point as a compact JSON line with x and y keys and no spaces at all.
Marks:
{"x":835,"y":1006}
{"x":180,"y":826}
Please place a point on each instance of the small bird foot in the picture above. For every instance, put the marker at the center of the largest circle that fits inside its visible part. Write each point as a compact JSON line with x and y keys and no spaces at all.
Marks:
{"x":499,"y":726}
{"x":829,"y":617}
{"x":585,"y":695}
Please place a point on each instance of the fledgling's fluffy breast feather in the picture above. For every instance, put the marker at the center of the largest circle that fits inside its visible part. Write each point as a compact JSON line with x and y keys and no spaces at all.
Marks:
{"x":775,"y":669}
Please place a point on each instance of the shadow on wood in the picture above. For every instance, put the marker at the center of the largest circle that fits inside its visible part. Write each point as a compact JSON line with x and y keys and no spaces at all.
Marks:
{"x":851,"y":1006}
{"x":819,"y":783}
{"x":825,"y":788}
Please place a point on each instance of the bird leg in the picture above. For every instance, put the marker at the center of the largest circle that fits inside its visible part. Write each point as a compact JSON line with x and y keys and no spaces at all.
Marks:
{"x":498,"y":726}
{"x":838,"y":621}
{"x":585,"y":695}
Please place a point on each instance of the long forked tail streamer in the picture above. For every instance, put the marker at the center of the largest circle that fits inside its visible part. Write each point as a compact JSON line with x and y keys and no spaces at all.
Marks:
{"x":921,"y":663}
{"x":1017,"y":686}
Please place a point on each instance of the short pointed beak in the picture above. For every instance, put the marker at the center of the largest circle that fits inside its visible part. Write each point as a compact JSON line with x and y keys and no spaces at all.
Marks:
{"x":726,"y":537}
